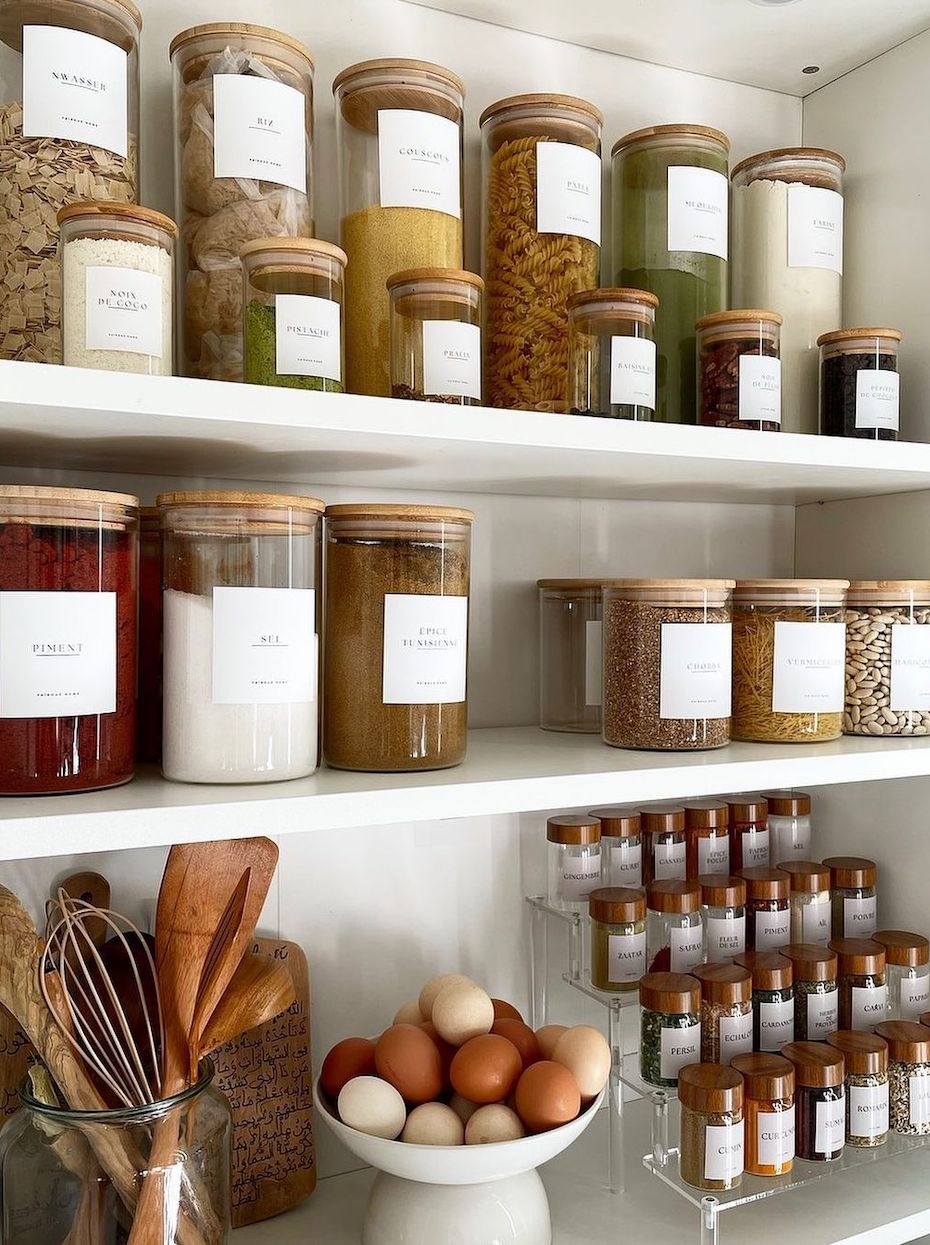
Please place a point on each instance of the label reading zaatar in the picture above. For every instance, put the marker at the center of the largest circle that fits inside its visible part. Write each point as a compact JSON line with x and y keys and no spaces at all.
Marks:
{"x":425,"y":649}
{"x":74,"y":88}
{"x":264,"y":646}
{"x":877,"y":399}
{"x":307,"y":340}
{"x":809,"y":667}
{"x":759,"y":389}
{"x":626,"y":956}
{"x":451,"y":359}
{"x":123,"y":310}
{"x":910,"y":667}
{"x":259,"y":131}
{"x":698,"y":210}
{"x":633,"y":372}
{"x":815,"y":228}
{"x":419,"y":161}
{"x":568,"y":190}
{"x":694,"y":680}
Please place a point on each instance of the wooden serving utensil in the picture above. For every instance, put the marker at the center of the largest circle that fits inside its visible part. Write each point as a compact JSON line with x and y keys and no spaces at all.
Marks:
{"x":260,"y":990}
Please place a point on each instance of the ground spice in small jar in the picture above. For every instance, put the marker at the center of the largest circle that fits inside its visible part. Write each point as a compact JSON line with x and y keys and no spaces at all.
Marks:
{"x":907,"y":971}
{"x":820,"y":1100}
{"x":739,"y":370}
{"x":711,"y":1126}
{"x":816,"y":995}
{"x":612,"y":353}
{"x":887,"y":657}
{"x":723,"y":907}
{"x":790,"y":835}
{"x":862,"y":985}
{"x":674,"y":926}
{"x":618,"y":938}
{"x":726,"y":1011}
{"x":708,"y":843}
{"x":670,"y":1026}
{"x":859,"y":384}
{"x":621,"y":846}
{"x":811,"y":913}
{"x":570,"y":644}
{"x":749,"y":832}
{"x":908,"y":1075}
{"x":772,"y":998}
{"x":768,"y":1112}
{"x":866,"y":1057}
{"x":436,"y":335}
{"x":664,"y":843}
{"x":149,"y":710}
{"x":768,"y":919}
{"x":852,"y":886}
{"x":574,"y":854}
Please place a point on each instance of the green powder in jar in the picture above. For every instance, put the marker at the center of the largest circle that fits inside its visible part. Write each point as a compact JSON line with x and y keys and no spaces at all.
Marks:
{"x":260,"y":354}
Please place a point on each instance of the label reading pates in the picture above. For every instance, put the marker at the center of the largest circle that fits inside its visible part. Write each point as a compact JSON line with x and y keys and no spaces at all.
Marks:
{"x":259,"y":130}
{"x":632,"y":372}
{"x":593,"y":661}
{"x":810,"y":665}
{"x":815,"y":228}
{"x":568,"y":190}
{"x":123,"y":310}
{"x":425,"y":649}
{"x":451,"y":359}
{"x":307,"y":338}
{"x":698,"y":210}
{"x":910,"y":667}
{"x":419,"y":161}
{"x":626,"y":956}
{"x":759,"y":389}
{"x":877,"y":399}
{"x":264,"y":646}
{"x":694,"y":680}
{"x":74,"y":88}
{"x":679,"y":1047}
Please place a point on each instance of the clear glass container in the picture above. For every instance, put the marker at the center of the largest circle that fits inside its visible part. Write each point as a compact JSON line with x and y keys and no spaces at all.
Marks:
{"x":907,"y":971}
{"x":887,"y":657}
{"x":908,"y":1075}
{"x":399,"y":127}
{"x":664,"y":842}
{"x":861,"y":978}
{"x":707,"y":825}
{"x":618,"y":938}
{"x":816,"y":995}
{"x":768,"y":1110}
{"x":149,"y":710}
{"x":612,"y":353}
{"x":69,"y":594}
{"x":243,"y":116}
{"x":723,"y":907}
{"x":621,"y":846}
{"x":670,"y":1026}
{"x":436,"y":335}
{"x":820,"y":1100}
{"x":574,"y":860}
{"x":860,"y":392}
{"x":866,"y":1057}
{"x":292,"y":315}
{"x":73,"y":148}
{"x":712,"y":1133}
{"x":570,"y":643}
{"x":726,"y":1011}
{"x":117,"y":288}
{"x":790,"y":836}
{"x":666,"y":680}
{"x":811,"y":910}
{"x":852,"y":887}
{"x":241,"y":636}
{"x":396,"y":636}
{"x":768,"y":916}
{"x":739,"y":370}
{"x":541,"y":241}
{"x":772,"y":998}
{"x":674,"y":926}
{"x":749,"y":832}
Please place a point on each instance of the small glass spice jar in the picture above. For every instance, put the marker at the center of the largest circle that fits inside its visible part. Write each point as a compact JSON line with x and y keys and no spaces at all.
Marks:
{"x":712,"y":1135}
{"x":674,"y":926}
{"x":292,"y":317}
{"x":790,"y":836}
{"x":664,"y":842}
{"x":726,"y":1011}
{"x":574,"y":860}
{"x":887,"y":657}
{"x":859,"y":384}
{"x":621,"y":846}
{"x":670,"y":1026}
{"x":816,"y":994}
{"x":811,"y":913}
{"x":768,"y":1111}
{"x":618,"y":938}
{"x":768,"y":916}
{"x":570,"y":643}
{"x":149,"y":708}
{"x":866,"y":1057}
{"x":852,"y":887}
{"x":908,"y":1075}
{"x":612,"y":353}
{"x":820,"y":1100}
{"x":749,"y":832}
{"x":436,"y":335}
{"x":861,"y":980}
{"x":772,"y":998}
{"x":723,"y":907}
{"x":907,"y":971}
{"x":708,"y":842}
{"x":739,"y":370}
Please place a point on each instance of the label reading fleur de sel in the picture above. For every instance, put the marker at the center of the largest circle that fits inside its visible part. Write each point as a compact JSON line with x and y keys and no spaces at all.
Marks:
{"x":259,"y":131}
{"x":759,"y":389}
{"x":626,"y":956}
{"x":910,"y":667}
{"x":593,"y":661}
{"x":679,"y":1047}
{"x":877,"y":399}
{"x":74,"y":88}
{"x":264,"y":646}
{"x":307,"y":336}
{"x":809,"y":667}
{"x":451,"y":359}
{"x":723,"y":1150}
{"x":633,"y":372}
{"x":568,"y":190}
{"x":419,"y":161}
{"x":695,"y":670}
{"x":425,"y":648}
{"x":698,"y":203}
{"x":726,"y":937}
{"x":775,"y":1137}
{"x":815,"y":228}
{"x":123,"y":310}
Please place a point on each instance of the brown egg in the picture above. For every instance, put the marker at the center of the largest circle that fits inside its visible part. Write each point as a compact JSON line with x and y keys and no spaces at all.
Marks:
{"x":504,"y":1010}
{"x":547,"y":1037}
{"x":408,"y":1059}
{"x":486,"y":1068}
{"x":547,"y":1096}
{"x":522,"y":1037}
{"x":584,"y":1051}
{"x":348,"y":1059}
{"x":446,"y":1052}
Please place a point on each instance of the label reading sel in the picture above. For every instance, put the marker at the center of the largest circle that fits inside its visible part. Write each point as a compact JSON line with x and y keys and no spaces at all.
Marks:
{"x":698,"y":210}
{"x":632,"y":372}
{"x":626,"y":956}
{"x":259,"y":131}
{"x":679,"y":1047}
{"x":759,"y":389}
{"x":568,"y":190}
{"x":877,"y":399}
{"x":307,"y":338}
{"x":451,"y":359}
{"x":868,"y":1006}
{"x":264,"y":646}
{"x":910,"y":667}
{"x":815,"y":228}
{"x":74,"y":88}
{"x":695,"y":674}
{"x":593,"y":632}
{"x":123,"y":310}
{"x":723,"y":1151}
{"x":419,"y":161}
{"x":810,"y":664}
{"x":726,"y":937}
{"x":776,"y":1137}
{"x":425,"y":649}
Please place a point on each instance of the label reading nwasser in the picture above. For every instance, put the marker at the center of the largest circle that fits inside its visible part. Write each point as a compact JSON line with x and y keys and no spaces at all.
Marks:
{"x":810,"y":665}
{"x":123,"y":310}
{"x":694,"y":680}
{"x":593,"y":661}
{"x":259,"y":131}
{"x":451,"y":359}
{"x":307,"y":337}
{"x":679,"y":1047}
{"x":815,"y":228}
{"x":419,"y":161}
{"x":878,"y":398}
{"x":425,"y":649}
{"x":910,"y":667}
{"x":264,"y":646}
{"x":74,"y":88}
{"x":632,"y":372}
{"x":698,"y":210}
{"x":626,"y":956}
{"x":775,"y":1141}
{"x":759,"y":389}
{"x":568,"y":190}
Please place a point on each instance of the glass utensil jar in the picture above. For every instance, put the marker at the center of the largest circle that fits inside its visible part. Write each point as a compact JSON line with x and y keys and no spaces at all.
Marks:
{"x":816,"y":995}
{"x":907,"y":971}
{"x":570,"y":642}
{"x":861,"y":978}
{"x":670,"y":1026}
{"x":618,"y":938}
{"x":811,"y":913}
{"x":887,"y":657}
{"x":820,"y":1100}
{"x":664,"y":843}
{"x":768,"y":1111}
{"x":708,"y":837}
{"x":574,"y":860}
{"x":859,"y":384}
{"x":612,"y":354}
{"x":768,"y":917}
{"x":866,"y":1057}
{"x":908,"y":1075}
{"x":749,"y":832}
{"x":712,"y":1135}
{"x":674,"y":926}
{"x":789,"y":825}
{"x":772,"y":998}
{"x":436,"y":335}
{"x":726,"y":1011}
{"x":723,"y":907}
{"x":852,"y":886}
{"x":739,"y":370}
{"x":621,"y":846}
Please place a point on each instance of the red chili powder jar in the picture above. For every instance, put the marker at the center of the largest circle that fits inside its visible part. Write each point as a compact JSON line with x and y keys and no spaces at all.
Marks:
{"x":148,"y":732}
{"x":68,"y":611}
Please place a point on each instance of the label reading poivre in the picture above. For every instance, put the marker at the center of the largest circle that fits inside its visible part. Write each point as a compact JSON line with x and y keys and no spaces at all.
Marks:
{"x":451,"y":359}
{"x":264,"y":646}
{"x":626,"y":956}
{"x":686,"y":947}
{"x":633,"y":372}
{"x":568,"y":190}
{"x":915,"y":995}
{"x":822,"y":1015}
{"x":580,"y":875}
{"x":695,"y":673}
{"x":759,"y":389}
{"x":698,"y":210}
{"x":755,"y":847}
{"x":830,"y":1126}
{"x":723,"y":1151}
{"x":815,"y":228}
{"x":910,"y":667}
{"x":74,"y":88}
{"x":726,"y":937}
{"x":593,"y":661}
{"x":868,"y":1110}
{"x":868,"y":1006}
{"x":775,"y":1137}
{"x":669,"y":860}
{"x":809,"y":667}
{"x":878,"y":399}
{"x":713,"y":854}
{"x":259,"y":130}
{"x":425,"y":649}
{"x":307,"y":336}
{"x":419,"y":161}
{"x":735,"y":1036}
{"x":859,"y":917}
{"x":123,"y":310}
{"x":679,"y":1047}
{"x":773,"y":929}
{"x":776,"y":1024}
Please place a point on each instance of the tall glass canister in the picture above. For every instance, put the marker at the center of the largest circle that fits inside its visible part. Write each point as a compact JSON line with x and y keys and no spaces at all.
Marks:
{"x":570,"y":645}
{"x":612,"y":354}
{"x":670,"y":236}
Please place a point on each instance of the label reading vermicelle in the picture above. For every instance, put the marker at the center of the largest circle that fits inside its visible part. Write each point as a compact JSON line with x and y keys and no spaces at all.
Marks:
{"x":809,"y":667}
{"x":425,"y":649}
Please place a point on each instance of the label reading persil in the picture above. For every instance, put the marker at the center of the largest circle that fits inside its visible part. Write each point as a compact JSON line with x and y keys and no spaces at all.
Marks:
{"x":678,"y":1048}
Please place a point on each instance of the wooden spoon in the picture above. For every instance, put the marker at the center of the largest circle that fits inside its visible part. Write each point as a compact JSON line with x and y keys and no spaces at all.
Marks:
{"x":260,"y":990}
{"x":222,"y":962}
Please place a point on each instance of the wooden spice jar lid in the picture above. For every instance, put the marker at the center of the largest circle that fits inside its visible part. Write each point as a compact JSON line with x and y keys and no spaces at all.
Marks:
{"x":764,"y":883}
{"x":766,"y":1078}
{"x":903,"y":949}
{"x":618,"y":823}
{"x":770,"y":969}
{"x":748,"y":807}
{"x":811,"y":961}
{"x":750,"y":315}
{"x":851,"y":872}
{"x":857,"y":957}
{"x":807,"y":876}
{"x":711,"y":1088}
{"x":673,"y":994}
{"x":788,"y":803}
{"x":224,"y":498}
{"x":720,"y":891}
{"x":449,"y":276}
{"x":662,"y":819}
{"x":617,"y":905}
{"x":907,"y":1042}
{"x":570,"y":585}
{"x":725,"y":984}
{"x":816,"y":1064}
{"x":673,"y":895}
{"x":707,"y":815}
{"x":866,"y":1054}
{"x":573,"y":830}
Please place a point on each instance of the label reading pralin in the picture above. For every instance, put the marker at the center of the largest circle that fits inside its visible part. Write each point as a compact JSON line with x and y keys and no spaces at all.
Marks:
{"x":809,"y":667}
{"x":822,"y":1015}
{"x":686,"y":948}
{"x":451,"y":359}
{"x":714,"y":854}
{"x":633,"y":372}
{"x":868,"y":1110}
{"x":669,"y":861}
{"x":419,"y":161}
{"x":815,"y":228}
{"x":830,"y":1125}
{"x":859,"y":917}
{"x":775,"y":1145}
{"x":123,"y":310}
{"x":735,"y":1036}
{"x":679,"y":1048}
{"x":773,"y":929}
{"x":259,"y":130}
{"x":776,"y":1024}
{"x":723,"y":1151}
{"x":264,"y":646}
{"x":726,"y":937}
{"x":307,"y":338}
{"x":868,"y":1006}
{"x":425,"y":649}
{"x":695,"y":673}
{"x":915,"y":996}
{"x":755,"y":844}
{"x":74,"y":88}
{"x":759,"y":389}
{"x":592,"y":661}
{"x":877,"y":399}
{"x":568,"y":190}
{"x":698,"y":210}
{"x":626,"y":956}
{"x":910,"y":667}
{"x":580,"y":875}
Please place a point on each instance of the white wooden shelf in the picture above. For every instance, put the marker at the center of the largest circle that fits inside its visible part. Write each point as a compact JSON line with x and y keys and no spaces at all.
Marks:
{"x":102,"y":421}
{"x":507,"y":770}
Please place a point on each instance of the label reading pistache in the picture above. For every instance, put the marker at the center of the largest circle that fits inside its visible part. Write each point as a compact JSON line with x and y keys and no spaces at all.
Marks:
{"x":307,"y":339}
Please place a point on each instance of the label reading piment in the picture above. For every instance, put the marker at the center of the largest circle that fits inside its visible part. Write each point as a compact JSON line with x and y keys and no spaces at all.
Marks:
{"x":259,"y":130}
{"x":910,"y":667}
{"x":626,"y":864}
{"x":695,"y":673}
{"x":264,"y":646}
{"x":816,"y":920}
{"x":593,"y":662}
{"x":123,"y":310}
{"x":723,"y":1151}
{"x":735,"y":1036}
{"x":679,"y":1047}
{"x":915,"y":996}
{"x":878,"y":403}
{"x":773,"y":930}
{"x":568,"y":190}
{"x":632,"y":372}
{"x":775,"y":1144}
{"x":726,"y":937}
{"x":419,"y":161}
{"x":859,"y":918}
{"x":755,"y":845}
{"x":686,"y":947}
{"x":810,"y":666}
{"x":776,"y":1024}
{"x":307,"y":337}
{"x":714,"y":854}
{"x":74,"y":88}
{"x":815,"y":228}
{"x":868,"y":1110}
{"x":669,"y":860}
{"x":580,"y":875}
{"x":868,"y":1006}
{"x":698,"y":210}
{"x":626,"y":956}
{"x":822,"y":1015}
{"x":919,"y":1093}
{"x":759,"y":389}
{"x":451,"y":359}
{"x":830,"y":1127}
{"x":425,"y":649}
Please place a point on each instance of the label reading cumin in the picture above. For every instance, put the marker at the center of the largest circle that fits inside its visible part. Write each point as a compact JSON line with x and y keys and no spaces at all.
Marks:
{"x":425,"y":648}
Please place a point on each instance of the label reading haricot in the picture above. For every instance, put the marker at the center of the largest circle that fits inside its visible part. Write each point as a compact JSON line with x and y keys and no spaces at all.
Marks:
{"x":669,"y":860}
{"x":568,"y":190}
{"x":632,"y":372}
{"x":264,"y":646}
{"x":868,"y":1110}
{"x":809,"y":667}
{"x":679,"y":1047}
{"x":919,"y":1094}
{"x":759,"y":389}
{"x":735,"y":1036}
{"x":868,"y":1006}
{"x":593,"y":662}
{"x":910,"y":667}
{"x":773,"y":929}
{"x":698,"y":210}
{"x":57,"y":654}
{"x":259,"y":130}
{"x":723,"y":1151}
{"x":307,"y":339}
{"x":775,"y":1141}
{"x":580,"y":875}
{"x":686,"y":948}
{"x":816,"y":919}
{"x":425,"y":649}
{"x":915,"y":996}
{"x":877,"y":399}
{"x":123,"y":310}
{"x":626,"y":956}
{"x":694,"y":679}
{"x":419,"y":161}
{"x":714,"y":854}
{"x":830,"y":1126}
{"x":755,"y":845}
{"x":859,"y":917}
{"x":726,"y":937}
{"x":451,"y":359}
{"x":776,"y":1024}
{"x":626,"y":864}
{"x":815,"y":228}
{"x":74,"y":88}
{"x":822,"y":1015}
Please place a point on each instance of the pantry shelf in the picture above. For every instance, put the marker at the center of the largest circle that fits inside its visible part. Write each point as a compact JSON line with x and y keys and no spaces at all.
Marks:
{"x":100,"y":421}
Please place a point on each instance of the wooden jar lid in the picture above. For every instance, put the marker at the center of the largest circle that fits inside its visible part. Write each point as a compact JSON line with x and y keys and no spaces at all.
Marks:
{"x":313,"y":247}
{"x":660,"y":819}
{"x":851,"y":872}
{"x":239,"y":30}
{"x":262,"y":501}
{"x":618,"y":823}
{"x":720,"y":891}
{"x":617,"y":905}
{"x":816,"y":1064}
{"x":866,"y":1054}
{"x":788,"y":803}
{"x":399,"y":510}
{"x":765,"y":883}
{"x":857,"y":957}
{"x":400,"y":65}
{"x":707,"y":815}
{"x":806,"y":876}
{"x":845,"y":335}
{"x":811,"y":962}
{"x":748,"y":807}
{"x":460,"y":275}
{"x":570,"y":585}
{"x":573,"y":830}
{"x":907,"y":1042}
{"x":798,"y":153}
{"x":64,"y":496}
{"x":543,"y":100}
{"x":724,"y":983}
{"x":903,"y":949}
{"x":673,"y":895}
{"x":770,"y":969}
{"x":766,"y":1078}
{"x":673,"y":994}
{"x":671,"y":131}
{"x":716,"y":319}
{"x":618,"y":294}
{"x":711,"y":1088}
{"x":87,"y":208}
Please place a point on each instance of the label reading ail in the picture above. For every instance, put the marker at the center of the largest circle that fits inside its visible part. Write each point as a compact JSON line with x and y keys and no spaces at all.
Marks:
{"x":425,"y":649}
{"x":910,"y":667}
{"x":723,"y":1151}
{"x":772,"y":930}
{"x":593,"y":661}
{"x":859,"y":917}
{"x":74,"y":88}
{"x":759,"y":389}
{"x":451,"y":359}
{"x":726,"y":937}
{"x":57,"y":654}
{"x":822,"y":1015}
{"x":714,"y":854}
{"x":776,"y":1024}
{"x":626,"y":864}
{"x":669,"y":861}
{"x":878,"y":399}
{"x":816,"y":920}
{"x":259,"y":131}
{"x":123,"y":310}
{"x":633,"y":372}
{"x":264,"y":646}
{"x":580,"y":875}
{"x":919,"y":1095}
{"x":755,"y":848}
{"x":679,"y":1047}
{"x":568,"y":190}
{"x":419,"y":161}
{"x":694,"y":680}
{"x":307,"y":339}
{"x":868,"y":1006}
{"x":686,"y":947}
{"x":915,"y":996}
{"x":830,"y":1127}
{"x":626,"y":956}
{"x":735,"y":1036}
{"x":776,"y":1137}
{"x":698,"y":210}
{"x":868,"y":1110}
{"x":815,"y":228}
{"x":809,"y":667}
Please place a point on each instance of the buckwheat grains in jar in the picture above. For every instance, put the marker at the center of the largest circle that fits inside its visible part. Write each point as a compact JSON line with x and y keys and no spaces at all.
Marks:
{"x":816,"y":995}
{"x":908,"y":1075}
{"x":726,"y":1011}
{"x":712,"y":1137}
{"x":768,"y":1110}
{"x":887,"y":657}
{"x":866,"y":1057}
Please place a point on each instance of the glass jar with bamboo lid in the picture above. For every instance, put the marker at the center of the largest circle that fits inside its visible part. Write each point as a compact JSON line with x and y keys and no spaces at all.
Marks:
{"x":618,"y":938}
{"x":739,"y":370}
{"x":859,"y":383}
{"x":436,"y":335}
{"x":570,"y":644}
{"x":712,"y":1132}
{"x":612,"y":353}
{"x":887,"y":657}
{"x":621,"y":846}
{"x":866,"y":1060}
{"x":768,"y":1109}
{"x":908,"y":1075}
{"x":907,"y":968}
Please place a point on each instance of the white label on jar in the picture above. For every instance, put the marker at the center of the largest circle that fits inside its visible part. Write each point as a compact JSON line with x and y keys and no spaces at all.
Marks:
{"x":307,"y":339}
{"x":626,"y":956}
{"x":775,"y":1143}
{"x":859,"y":917}
{"x":669,"y":861}
{"x":830,"y":1127}
{"x":868,"y":1110}
{"x":686,"y":947}
{"x":868,"y":1006}
{"x":792,"y":838}
{"x":759,"y":388}
{"x":626,"y":863}
{"x":815,"y":228}
{"x":776,"y":1024}
{"x":822,"y":1015}
{"x":694,"y":679}
{"x":419,"y":161}
{"x":723,"y":1151}
{"x":919,"y":1097}
{"x":810,"y":666}
{"x":451,"y":359}
{"x":259,"y":131}
{"x":714,"y":854}
{"x":264,"y":646}
{"x":735,"y":1036}
{"x":910,"y":667}
{"x":698,"y":210}
{"x":580,"y":875}
{"x":425,"y":649}
{"x":726,"y":937}
{"x":568,"y":190}
{"x":755,"y":848}
{"x":915,"y":996}
{"x":123,"y":310}
{"x":57,"y":654}
{"x":877,"y":399}
{"x":679,"y":1048}
{"x":773,"y":930}
{"x":633,"y":372}
{"x":816,"y":919}
{"x":593,"y":661}
{"x":74,"y":88}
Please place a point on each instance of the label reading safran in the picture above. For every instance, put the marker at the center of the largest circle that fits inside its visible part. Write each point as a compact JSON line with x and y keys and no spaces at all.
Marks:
{"x":815,"y":228}
{"x":264,"y":646}
{"x":568,"y":190}
{"x":123,"y":310}
{"x":57,"y":654}
{"x":259,"y":131}
{"x":307,"y":336}
{"x":633,"y":372}
{"x":695,"y":675}
{"x":451,"y":359}
{"x":425,"y":649}
{"x":698,"y":210}
{"x":810,"y":663}
{"x":419,"y":161}
{"x":74,"y":88}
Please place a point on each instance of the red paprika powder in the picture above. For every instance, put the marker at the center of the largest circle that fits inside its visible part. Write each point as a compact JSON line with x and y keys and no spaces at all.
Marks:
{"x":148,"y":732}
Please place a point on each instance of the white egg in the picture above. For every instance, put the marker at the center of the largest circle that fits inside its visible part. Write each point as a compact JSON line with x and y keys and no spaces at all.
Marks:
{"x":584,"y":1051}
{"x":370,"y":1105}
{"x":493,"y":1123}
{"x":462,"y":1107}
{"x":432,"y":988}
{"x":433,"y":1124}
{"x":409,"y":1014}
{"x":461,"y":1011}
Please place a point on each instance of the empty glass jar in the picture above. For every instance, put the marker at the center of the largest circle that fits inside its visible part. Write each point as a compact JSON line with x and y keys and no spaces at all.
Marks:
{"x":570,"y":643}
{"x":436,"y":335}
{"x":574,"y":860}
{"x":612,"y":353}
{"x":621,"y":846}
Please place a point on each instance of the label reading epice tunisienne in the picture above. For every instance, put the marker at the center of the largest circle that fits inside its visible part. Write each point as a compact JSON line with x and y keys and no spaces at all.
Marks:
{"x":910,"y":667}
{"x":694,"y":680}
{"x":123,"y":310}
{"x":259,"y":131}
{"x":815,"y":228}
{"x":74,"y":88}
{"x":809,"y":667}
{"x":264,"y":646}
{"x":419,"y":159}
{"x":568,"y":190}
{"x":425,"y":648}
{"x":698,"y":210}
